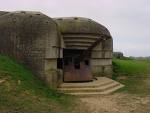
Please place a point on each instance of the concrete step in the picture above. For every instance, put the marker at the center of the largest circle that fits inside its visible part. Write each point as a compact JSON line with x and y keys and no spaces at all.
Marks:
{"x":91,"y":94}
{"x":101,"y":86}
{"x":113,"y":89}
{"x":101,"y":81}
{"x":90,"y":89}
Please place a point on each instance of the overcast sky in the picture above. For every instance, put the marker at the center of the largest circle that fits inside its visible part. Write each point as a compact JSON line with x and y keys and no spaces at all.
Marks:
{"x":127,"y":20}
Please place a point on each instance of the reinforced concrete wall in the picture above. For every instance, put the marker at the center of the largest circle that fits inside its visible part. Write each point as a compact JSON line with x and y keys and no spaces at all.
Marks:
{"x":32,"y":38}
{"x":101,"y":58}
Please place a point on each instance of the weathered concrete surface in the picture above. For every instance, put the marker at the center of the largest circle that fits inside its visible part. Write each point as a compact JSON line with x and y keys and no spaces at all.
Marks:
{"x":3,"y":12}
{"x":82,"y":33}
{"x":81,"y":25}
{"x":101,"y":59}
{"x":30,"y":37}
{"x":38,"y":40}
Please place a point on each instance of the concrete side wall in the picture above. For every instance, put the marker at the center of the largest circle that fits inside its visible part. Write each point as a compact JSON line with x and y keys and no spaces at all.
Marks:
{"x":54,"y":50}
{"x":101,"y":58}
{"x":33,"y":39}
{"x":54,"y":76}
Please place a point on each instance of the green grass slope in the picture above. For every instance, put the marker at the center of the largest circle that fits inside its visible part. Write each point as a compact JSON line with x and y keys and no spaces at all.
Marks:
{"x":21,"y":92}
{"x":135,"y":74}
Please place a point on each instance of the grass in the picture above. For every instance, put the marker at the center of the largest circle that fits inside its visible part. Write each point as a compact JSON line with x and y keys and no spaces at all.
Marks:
{"x":135,"y":74}
{"x":22,"y":92}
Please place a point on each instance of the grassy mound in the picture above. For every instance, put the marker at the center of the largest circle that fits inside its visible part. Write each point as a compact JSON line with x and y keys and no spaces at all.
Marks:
{"x":21,"y":92}
{"x":135,"y":74}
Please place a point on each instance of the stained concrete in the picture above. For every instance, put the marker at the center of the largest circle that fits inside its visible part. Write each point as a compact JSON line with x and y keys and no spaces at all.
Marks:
{"x":37,"y":40}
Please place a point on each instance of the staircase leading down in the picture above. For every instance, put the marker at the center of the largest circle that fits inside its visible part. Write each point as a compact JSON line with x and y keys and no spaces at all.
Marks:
{"x":99,"y":86}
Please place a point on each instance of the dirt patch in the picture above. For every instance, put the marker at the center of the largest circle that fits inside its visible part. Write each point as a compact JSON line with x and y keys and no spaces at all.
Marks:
{"x":119,"y":103}
{"x":1,"y":81}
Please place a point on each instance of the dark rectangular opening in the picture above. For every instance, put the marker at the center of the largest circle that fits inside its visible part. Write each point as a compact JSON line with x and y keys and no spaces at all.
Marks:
{"x":86,"y":62}
{"x":59,"y":63}
{"x":67,"y":60}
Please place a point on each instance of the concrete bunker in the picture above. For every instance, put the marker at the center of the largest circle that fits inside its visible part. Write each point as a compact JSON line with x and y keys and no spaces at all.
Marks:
{"x":87,"y":49}
{"x":57,"y":50}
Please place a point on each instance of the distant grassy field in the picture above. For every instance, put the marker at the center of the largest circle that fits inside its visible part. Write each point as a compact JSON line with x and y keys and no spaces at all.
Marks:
{"x":135,"y":74}
{"x":22,"y":92}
